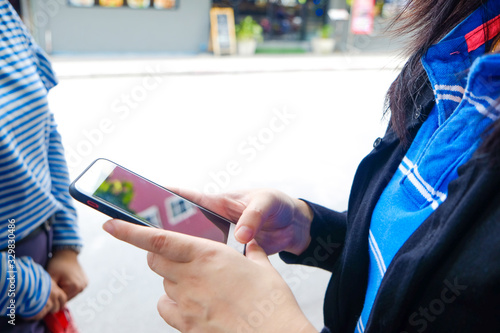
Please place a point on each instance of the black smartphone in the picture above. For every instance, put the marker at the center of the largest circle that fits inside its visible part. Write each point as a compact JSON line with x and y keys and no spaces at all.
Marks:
{"x":123,"y":194}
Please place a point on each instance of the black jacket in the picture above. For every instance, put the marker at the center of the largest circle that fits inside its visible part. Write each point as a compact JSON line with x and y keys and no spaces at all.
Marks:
{"x":445,"y":278}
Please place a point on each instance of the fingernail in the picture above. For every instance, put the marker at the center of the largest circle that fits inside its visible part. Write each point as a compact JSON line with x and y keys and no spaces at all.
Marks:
{"x":109,"y":227}
{"x":244,"y":234}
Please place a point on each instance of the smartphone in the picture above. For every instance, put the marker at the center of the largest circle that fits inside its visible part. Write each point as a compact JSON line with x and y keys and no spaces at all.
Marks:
{"x":123,"y":194}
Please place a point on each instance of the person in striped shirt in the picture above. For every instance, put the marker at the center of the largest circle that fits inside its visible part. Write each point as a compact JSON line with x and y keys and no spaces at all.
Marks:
{"x":39,"y":270}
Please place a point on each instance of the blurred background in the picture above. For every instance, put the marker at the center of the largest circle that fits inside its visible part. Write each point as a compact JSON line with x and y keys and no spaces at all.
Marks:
{"x":183,"y":27}
{"x":170,"y":90}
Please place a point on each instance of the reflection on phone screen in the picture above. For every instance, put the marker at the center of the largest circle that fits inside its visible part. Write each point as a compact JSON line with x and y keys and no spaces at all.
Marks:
{"x":159,"y":207}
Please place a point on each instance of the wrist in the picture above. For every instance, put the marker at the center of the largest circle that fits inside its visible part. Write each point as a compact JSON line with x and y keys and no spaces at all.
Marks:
{"x":302,"y":219}
{"x":67,"y":248}
{"x":305,"y":210}
{"x":65,"y":254}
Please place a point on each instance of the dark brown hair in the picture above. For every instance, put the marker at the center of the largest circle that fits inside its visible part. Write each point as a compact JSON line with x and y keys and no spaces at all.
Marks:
{"x":427,"y":21}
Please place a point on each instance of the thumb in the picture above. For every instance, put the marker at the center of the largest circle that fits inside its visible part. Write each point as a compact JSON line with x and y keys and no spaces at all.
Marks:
{"x":256,"y":253}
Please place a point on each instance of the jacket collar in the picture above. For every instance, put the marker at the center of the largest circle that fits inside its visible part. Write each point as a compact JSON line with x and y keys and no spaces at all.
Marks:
{"x":448,"y":62}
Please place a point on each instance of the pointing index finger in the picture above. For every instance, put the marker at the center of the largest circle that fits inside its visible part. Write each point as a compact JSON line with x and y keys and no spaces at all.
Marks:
{"x":174,"y":246}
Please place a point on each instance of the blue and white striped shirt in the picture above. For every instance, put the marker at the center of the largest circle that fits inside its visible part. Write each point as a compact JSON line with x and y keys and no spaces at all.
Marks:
{"x":461,"y":76}
{"x":33,"y":173}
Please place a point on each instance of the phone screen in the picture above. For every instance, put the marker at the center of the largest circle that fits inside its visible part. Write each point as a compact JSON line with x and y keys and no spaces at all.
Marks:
{"x":148,"y":203}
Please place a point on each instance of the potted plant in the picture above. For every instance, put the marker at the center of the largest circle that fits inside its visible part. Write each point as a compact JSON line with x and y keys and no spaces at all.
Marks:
{"x":324,"y":42}
{"x":248,"y":33}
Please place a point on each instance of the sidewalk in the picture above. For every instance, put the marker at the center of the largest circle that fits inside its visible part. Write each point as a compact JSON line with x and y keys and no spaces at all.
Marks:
{"x":127,"y":65}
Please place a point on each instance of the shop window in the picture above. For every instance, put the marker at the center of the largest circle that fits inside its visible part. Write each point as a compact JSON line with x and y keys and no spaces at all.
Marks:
{"x":282,"y":20}
{"x":178,"y":210}
{"x":152,"y":215}
{"x":157,"y":4}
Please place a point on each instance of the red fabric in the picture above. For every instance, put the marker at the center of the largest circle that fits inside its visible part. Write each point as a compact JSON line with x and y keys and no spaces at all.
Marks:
{"x":476,"y":37}
{"x":60,"y":322}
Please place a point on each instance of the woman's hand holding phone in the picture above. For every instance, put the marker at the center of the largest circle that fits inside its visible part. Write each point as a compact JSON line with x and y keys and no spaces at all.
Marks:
{"x":276,"y":221}
{"x":210,"y":287}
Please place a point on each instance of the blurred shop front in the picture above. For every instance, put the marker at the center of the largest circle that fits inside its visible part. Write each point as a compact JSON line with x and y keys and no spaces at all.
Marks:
{"x":287,"y":24}
{"x":158,"y":26}
{"x":174,"y":26}
{"x":119,"y":26}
